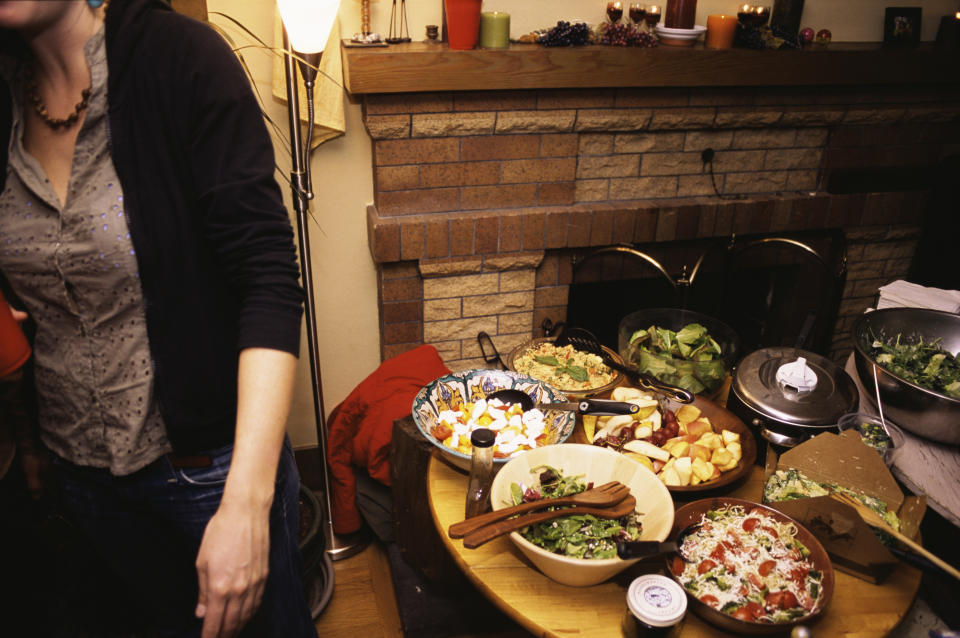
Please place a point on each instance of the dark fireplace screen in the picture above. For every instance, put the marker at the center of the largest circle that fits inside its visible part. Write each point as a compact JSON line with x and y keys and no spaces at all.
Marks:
{"x":773,"y":290}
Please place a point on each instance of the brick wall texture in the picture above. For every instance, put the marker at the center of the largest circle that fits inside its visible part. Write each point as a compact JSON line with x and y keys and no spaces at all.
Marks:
{"x":477,"y":194}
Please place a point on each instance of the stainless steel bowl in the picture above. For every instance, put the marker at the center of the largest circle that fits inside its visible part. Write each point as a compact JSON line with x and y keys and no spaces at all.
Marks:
{"x":932,"y":415}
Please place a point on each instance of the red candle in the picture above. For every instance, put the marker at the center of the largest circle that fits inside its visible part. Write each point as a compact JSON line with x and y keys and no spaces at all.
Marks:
{"x":681,"y":14}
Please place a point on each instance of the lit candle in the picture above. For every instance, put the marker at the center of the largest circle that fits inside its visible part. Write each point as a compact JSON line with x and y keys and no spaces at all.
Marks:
{"x":494,"y":30}
{"x":957,"y":15}
{"x":720,"y":31}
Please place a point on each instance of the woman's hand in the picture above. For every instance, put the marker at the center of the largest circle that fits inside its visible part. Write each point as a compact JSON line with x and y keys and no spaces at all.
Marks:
{"x":234,"y":554}
{"x":232,"y":567}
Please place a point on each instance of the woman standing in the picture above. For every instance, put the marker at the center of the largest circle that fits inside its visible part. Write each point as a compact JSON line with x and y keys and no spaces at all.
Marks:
{"x":142,"y":230}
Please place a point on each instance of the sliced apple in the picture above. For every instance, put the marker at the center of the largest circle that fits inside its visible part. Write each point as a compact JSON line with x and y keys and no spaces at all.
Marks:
{"x":699,"y":427}
{"x":729,"y":436}
{"x":735,"y":449}
{"x":589,"y":426}
{"x":698,"y":451}
{"x":710,"y":440}
{"x":701,"y":469}
{"x":679,"y":449}
{"x":687,"y":413}
{"x":721,"y":457}
{"x":683,"y":466}
{"x":671,"y":477}
{"x":640,"y":458}
{"x":647,"y":449}
{"x":623,"y":393}
{"x":642,"y":431}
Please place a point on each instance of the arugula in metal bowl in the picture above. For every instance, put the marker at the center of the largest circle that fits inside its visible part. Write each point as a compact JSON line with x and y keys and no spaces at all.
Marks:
{"x":922,"y":363}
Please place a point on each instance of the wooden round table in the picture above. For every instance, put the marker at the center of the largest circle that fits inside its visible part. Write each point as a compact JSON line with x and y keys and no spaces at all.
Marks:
{"x":547,"y":608}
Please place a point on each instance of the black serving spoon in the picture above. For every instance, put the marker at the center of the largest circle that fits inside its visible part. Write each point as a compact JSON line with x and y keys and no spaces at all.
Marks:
{"x":649,"y":549}
{"x":598,"y":407}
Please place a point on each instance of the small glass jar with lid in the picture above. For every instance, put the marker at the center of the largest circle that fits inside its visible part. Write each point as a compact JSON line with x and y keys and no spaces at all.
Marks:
{"x":656,"y":606}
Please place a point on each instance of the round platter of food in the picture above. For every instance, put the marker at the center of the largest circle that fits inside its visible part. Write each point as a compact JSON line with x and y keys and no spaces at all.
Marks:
{"x":748,"y":568}
{"x":576,"y":373}
{"x":692,"y":448}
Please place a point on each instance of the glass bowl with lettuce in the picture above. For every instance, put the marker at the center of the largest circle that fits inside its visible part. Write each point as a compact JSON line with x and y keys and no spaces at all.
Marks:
{"x":682,"y":347}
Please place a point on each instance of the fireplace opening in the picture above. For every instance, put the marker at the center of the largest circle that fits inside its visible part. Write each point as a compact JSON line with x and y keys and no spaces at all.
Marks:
{"x":773,"y":290}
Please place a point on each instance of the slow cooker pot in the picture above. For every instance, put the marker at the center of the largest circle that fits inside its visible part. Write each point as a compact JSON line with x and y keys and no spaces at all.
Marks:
{"x":787,"y":395}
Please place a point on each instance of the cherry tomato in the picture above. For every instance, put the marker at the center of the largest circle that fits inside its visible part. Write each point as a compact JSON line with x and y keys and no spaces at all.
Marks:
{"x":705,"y":566}
{"x":741,"y":613}
{"x":676,"y":566}
{"x":442,"y":432}
{"x":709,"y":599}
{"x":788,"y":600}
{"x":774,"y":599}
{"x":718,"y":553}
{"x":755,"y":580}
{"x":749,"y":524}
{"x":766,"y":567}
{"x":770,"y":531}
{"x":756,"y":609}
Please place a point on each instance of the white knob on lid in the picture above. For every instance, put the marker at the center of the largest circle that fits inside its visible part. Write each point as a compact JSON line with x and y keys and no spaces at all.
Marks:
{"x":798,"y":375}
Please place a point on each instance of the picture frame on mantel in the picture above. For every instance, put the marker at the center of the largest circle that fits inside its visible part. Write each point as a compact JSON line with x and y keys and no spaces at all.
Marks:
{"x":901,"y":26}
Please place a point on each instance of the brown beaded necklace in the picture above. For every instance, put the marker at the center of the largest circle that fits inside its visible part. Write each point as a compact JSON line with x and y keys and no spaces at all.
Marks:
{"x":41,"y":109}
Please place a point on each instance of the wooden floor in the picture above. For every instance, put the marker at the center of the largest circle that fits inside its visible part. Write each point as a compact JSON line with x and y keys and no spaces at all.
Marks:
{"x":364,"y":604}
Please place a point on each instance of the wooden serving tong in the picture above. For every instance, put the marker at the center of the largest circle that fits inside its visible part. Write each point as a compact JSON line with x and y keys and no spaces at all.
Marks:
{"x":611,"y":500}
{"x":873,"y":519}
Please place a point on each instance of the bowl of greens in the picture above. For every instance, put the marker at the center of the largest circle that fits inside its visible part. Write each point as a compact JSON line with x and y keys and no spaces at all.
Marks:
{"x":580,"y":550}
{"x":912,"y":352}
{"x":680,"y":347}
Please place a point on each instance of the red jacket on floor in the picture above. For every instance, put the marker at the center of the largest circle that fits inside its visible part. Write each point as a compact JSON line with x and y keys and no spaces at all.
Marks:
{"x":361,"y":427}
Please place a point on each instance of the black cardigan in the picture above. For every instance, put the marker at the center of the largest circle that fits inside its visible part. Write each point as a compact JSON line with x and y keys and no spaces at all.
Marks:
{"x":213,"y":240}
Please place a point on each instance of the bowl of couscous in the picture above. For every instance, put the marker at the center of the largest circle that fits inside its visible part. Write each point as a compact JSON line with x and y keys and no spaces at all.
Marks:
{"x":447,"y":411}
{"x":576,"y":373}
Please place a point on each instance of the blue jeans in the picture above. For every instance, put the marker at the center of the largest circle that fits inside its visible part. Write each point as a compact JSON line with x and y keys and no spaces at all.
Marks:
{"x":148,"y":528}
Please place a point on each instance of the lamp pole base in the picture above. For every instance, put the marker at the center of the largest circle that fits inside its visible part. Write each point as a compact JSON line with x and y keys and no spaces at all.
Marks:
{"x":340,"y":546}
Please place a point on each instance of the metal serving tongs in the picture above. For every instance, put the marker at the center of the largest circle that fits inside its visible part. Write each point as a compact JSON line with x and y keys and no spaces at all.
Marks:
{"x":876,"y":388}
{"x":585,"y":340}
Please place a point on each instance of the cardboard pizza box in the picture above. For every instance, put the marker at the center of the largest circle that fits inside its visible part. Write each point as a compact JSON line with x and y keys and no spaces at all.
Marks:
{"x":846,"y":461}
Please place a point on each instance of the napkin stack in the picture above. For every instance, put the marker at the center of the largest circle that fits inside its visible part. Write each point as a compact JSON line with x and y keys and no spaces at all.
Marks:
{"x":905,"y":294}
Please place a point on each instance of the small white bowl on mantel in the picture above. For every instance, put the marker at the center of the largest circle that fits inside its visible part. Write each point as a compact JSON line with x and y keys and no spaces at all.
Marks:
{"x":679,"y":37}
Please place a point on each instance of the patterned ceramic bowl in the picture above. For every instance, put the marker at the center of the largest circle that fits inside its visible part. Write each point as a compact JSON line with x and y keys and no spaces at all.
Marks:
{"x":466,"y":386}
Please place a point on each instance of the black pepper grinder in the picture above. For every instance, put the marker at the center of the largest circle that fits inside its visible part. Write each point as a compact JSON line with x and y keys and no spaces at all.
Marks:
{"x":481,"y":472}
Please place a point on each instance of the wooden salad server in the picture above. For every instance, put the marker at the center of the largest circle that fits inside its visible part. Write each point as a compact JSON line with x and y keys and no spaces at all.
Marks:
{"x":601,"y":496}
{"x":487,"y":533}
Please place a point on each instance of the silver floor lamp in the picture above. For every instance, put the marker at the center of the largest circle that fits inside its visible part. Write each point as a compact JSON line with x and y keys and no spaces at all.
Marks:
{"x":307,"y":25}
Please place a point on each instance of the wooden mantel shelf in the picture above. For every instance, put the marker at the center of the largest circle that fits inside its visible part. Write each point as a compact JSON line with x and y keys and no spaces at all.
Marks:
{"x":421,"y":67}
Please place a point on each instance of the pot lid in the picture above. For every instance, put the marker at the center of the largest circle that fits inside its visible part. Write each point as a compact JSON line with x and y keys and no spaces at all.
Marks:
{"x":795,"y":386}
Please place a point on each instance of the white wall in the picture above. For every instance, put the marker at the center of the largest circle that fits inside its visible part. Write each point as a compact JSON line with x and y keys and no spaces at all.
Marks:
{"x":848,"y":20}
{"x":345,"y":279}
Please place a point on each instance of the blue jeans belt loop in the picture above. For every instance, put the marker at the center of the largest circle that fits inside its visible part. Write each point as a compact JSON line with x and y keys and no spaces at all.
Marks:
{"x":189,"y":461}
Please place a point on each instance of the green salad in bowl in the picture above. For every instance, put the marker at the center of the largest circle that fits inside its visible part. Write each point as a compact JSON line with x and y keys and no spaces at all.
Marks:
{"x":577,"y":535}
{"x":680,"y":347}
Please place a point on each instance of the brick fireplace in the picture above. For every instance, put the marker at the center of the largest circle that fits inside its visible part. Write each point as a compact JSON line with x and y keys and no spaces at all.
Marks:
{"x":482,"y":198}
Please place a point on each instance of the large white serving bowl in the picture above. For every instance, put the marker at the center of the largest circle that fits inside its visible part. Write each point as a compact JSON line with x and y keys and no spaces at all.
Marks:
{"x":597,"y":465}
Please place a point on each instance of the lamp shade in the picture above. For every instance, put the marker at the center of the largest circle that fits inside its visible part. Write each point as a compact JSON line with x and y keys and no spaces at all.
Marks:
{"x":308,"y":22}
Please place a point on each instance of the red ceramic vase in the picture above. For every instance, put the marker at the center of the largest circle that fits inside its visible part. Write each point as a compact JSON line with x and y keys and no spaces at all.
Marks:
{"x":463,"y":23}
